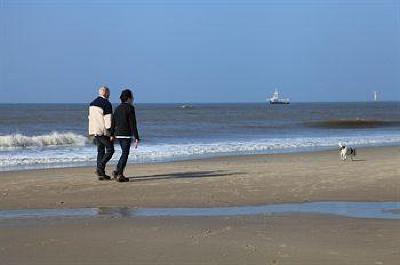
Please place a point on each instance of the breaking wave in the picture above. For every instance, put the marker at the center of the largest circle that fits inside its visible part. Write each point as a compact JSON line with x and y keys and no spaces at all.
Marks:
{"x":53,"y":139}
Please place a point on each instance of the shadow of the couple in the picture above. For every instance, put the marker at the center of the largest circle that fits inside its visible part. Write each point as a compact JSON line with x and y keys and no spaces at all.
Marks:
{"x":184,"y":175}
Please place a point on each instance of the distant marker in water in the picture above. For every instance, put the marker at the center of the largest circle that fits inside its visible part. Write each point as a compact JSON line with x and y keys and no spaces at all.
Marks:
{"x":375,"y":95}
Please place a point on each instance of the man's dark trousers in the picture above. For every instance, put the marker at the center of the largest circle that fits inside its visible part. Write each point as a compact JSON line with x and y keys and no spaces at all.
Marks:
{"x":105,"y":151}
{"x":125,"y":144}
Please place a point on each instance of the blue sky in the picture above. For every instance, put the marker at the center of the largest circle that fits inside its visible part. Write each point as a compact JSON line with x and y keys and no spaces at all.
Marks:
{"x":199,"y":51}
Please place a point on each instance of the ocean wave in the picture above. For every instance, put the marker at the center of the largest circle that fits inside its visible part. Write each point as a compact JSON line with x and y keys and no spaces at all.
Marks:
{"x":352,"y":124}
{"x":15,"y":141}
{"x":63,"y":157}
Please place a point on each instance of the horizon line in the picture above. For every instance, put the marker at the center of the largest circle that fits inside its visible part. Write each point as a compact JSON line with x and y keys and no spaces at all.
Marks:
{"x":211,"y":102}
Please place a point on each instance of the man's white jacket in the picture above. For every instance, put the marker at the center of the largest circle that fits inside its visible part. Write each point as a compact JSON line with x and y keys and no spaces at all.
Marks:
{"x":100,"y":116}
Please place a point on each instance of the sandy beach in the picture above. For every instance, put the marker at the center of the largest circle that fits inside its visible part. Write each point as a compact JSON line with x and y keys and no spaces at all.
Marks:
{"x":227,"y":181}
{"x":222,"y":122}
{"x":219,"y":240}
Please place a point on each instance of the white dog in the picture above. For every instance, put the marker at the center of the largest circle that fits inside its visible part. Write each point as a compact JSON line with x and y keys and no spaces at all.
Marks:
{"x":346,"y":151}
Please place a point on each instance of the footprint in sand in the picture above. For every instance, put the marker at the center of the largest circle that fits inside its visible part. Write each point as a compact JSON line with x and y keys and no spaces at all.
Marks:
{"x":274,"y":262}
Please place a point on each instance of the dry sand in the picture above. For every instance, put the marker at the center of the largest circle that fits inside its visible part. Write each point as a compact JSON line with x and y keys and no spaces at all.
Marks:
{"x":247,"y":180}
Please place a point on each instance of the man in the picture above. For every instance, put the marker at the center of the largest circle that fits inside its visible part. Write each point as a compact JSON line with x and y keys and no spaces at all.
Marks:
{"x":124,"y":130}
{"x":100,"y":121}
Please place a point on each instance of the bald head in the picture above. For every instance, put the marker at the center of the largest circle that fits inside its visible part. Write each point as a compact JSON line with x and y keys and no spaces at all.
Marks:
{"x":104,"y":92}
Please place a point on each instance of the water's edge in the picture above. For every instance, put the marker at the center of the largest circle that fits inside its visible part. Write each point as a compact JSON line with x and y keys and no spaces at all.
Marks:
{"x":377,"y":210}
{"x":195,"y":158}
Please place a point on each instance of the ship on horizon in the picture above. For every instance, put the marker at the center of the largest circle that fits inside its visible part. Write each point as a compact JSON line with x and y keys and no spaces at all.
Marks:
{"x":275,"y":99}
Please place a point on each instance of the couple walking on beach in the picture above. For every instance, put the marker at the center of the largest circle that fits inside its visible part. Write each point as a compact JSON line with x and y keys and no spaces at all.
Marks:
{"x":106,"y":127}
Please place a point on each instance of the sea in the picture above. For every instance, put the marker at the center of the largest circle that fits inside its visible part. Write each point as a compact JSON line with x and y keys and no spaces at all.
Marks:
{"x":55,"y":135}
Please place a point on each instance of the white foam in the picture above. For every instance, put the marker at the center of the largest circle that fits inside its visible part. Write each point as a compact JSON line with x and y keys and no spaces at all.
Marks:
{"x":78,"y":153}
{"x":16,"y":141}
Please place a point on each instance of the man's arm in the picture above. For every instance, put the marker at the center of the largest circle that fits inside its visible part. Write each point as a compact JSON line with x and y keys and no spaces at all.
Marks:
{"x":112,"y":129}
{"x":108,"y":119}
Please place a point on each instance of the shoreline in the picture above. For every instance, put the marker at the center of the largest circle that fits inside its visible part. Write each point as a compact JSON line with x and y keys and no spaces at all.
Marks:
{"x":202,"y":158}
{"x":145,"y":157}
{"x":213,"y":182}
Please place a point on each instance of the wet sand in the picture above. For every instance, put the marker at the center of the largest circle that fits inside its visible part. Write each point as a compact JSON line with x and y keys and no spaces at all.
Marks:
{"x":229,"y":181}
{"x":262,"y":240}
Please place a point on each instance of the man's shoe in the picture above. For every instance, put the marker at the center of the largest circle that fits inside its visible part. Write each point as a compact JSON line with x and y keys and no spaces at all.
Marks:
{"x":105,"y":177}
{"x":102,"y":175}
{"x":121,"y":178}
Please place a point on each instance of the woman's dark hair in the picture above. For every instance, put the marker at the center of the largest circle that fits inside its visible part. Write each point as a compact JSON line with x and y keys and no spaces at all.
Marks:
{"x":125,"y":95}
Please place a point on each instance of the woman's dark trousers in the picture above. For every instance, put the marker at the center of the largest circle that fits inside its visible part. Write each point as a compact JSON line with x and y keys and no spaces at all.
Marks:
{"x":125,"y":147}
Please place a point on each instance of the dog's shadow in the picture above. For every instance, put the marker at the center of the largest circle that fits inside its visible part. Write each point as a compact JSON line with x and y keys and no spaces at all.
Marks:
{"x":184,"y":175}
{"x":358,"y":160}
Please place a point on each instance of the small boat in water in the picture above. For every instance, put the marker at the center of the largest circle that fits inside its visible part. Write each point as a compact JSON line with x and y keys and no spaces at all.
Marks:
{"x":186,"y":106}
{"x":275,"y":99}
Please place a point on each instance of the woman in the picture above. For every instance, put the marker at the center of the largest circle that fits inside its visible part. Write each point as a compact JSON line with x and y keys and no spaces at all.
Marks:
{"x":124,"y":130}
